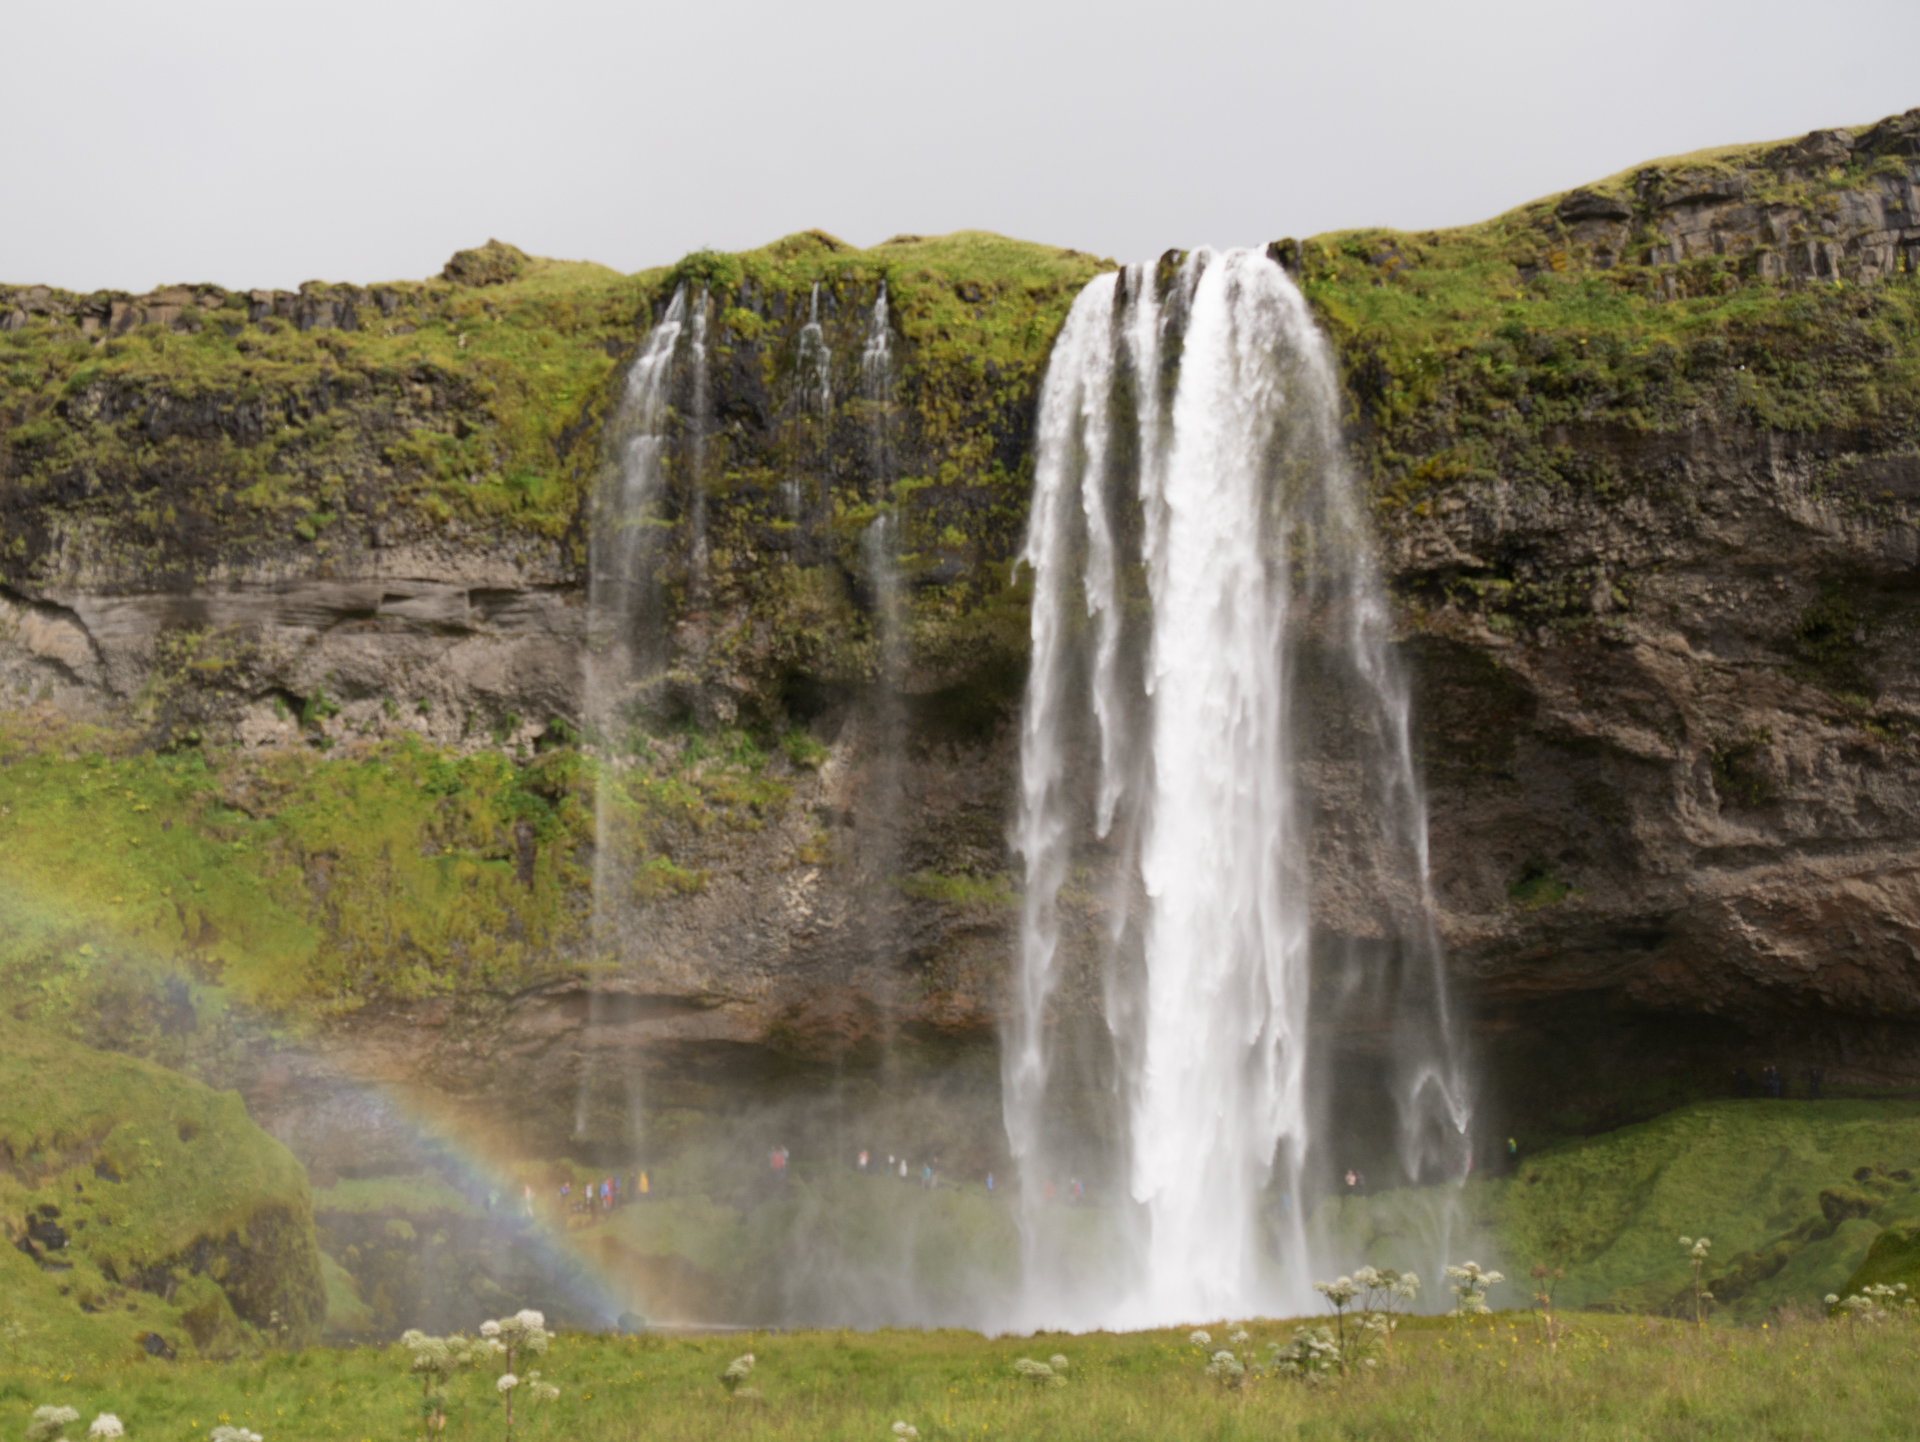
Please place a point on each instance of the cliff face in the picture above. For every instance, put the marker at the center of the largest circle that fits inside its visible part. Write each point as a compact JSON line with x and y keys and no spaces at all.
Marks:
{"x":1645,"y":464}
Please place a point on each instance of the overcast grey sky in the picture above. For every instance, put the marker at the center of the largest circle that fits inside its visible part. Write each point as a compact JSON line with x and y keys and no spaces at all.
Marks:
{"x":263,"y":144}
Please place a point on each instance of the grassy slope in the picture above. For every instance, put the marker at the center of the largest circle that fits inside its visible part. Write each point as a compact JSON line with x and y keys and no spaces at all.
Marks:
{"x":1612,"y":1377}
{"x":1771,"y":1183}
{"x":299,"y":882}
{"x":140,"y":1166}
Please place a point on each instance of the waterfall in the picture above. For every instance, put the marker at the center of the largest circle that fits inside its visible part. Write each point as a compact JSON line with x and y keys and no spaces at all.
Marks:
{"x":1198,"y":548}
{"x":880,"y":543}
{"x":876,"y":389}
{"x":622,"y":604}
{"x":621,"y":559}
{"x":816,"y":404}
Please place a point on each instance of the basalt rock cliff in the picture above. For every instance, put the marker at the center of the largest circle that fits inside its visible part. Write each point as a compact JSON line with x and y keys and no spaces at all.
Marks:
{"x":1645,"y":461}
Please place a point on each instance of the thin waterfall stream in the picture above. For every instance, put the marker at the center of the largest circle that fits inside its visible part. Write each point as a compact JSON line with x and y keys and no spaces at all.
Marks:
{"x":1200,"y":553}
{"x":624,"y":641}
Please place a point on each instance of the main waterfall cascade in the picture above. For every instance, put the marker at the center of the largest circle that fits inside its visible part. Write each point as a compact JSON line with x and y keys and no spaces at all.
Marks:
{"x":1216,"y":738}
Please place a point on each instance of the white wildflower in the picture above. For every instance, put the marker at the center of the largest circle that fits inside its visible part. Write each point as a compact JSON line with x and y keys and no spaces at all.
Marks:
{"x":106,"y":1425}
{"x":232,"y":1434}
{"x":906,"y":1432}
{"x":1341,"y":1291}
{"x":507,"y":1382}
{"x":489,"y":1329}
{"x":533,"y":1321}
{"x":1200,"y":1339}
{"x":1057,"y":1362}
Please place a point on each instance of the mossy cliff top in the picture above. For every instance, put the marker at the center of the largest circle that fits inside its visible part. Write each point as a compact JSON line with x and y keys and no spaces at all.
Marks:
{"x":1757,"y":287}
{"x":138,"y":1204}
{"x":196,"y":432}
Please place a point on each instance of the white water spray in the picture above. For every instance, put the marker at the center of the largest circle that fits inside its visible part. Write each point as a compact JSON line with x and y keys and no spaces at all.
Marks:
{"x":1226,"y":513}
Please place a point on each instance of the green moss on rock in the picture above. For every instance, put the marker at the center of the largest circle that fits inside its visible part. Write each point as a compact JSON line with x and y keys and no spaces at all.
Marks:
{"x":135,"y":1200}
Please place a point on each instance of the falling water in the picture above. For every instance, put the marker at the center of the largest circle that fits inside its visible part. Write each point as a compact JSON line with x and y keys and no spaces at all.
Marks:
{"x":815,"y":365}
{"x":880,"y":542}
{"x":1189,"y":467}
{"x":876,"y":389}
{"x":621,"y":602}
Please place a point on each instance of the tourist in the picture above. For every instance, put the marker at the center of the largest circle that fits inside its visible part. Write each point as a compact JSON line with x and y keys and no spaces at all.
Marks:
{"x":1352,"y":1180}
{"x":903,"y":1169}
{"x":526,"y":1199}
{"x":926,"y":1177}
{"x":644,"y":1185}
{"x":863,"y":1159}
{"x":989,"y":1183}
{"x":1814,"y":1077}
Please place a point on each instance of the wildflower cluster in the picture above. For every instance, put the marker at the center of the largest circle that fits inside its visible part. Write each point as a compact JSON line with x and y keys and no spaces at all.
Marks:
{"x":232,"y":1434}
{"x":906,"y":1432}
{"x":434,"y":1360}
{"x":1878,"y":1303}
{"x":1050,"y":1373}
{"x":524,"y":1331}
{"x":1469,"y":1289}
{"x":1314,"y":1355}
{"x":1384,"y":1294}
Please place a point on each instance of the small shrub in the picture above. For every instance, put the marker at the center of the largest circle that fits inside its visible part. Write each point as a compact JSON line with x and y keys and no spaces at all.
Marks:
{"x":802,"y":750}
{"x":738,"y":1371}
{"x":1051,"y":1373}
{"x":1697,"y":1250}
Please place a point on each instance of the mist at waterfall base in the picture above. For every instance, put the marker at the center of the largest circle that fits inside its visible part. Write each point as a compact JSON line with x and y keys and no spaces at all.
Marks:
{"x":1228,"y":989}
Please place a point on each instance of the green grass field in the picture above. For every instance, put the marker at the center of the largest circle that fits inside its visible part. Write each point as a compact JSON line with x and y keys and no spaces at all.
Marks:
{"x":1610,"y":1377}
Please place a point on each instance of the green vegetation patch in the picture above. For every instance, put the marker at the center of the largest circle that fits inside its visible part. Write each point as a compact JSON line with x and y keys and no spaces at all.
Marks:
{"x":150,"y":892}
{"x":1604,"y":1378}
{"x":1792,"y":1195}
{"x":135,"y":1201}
